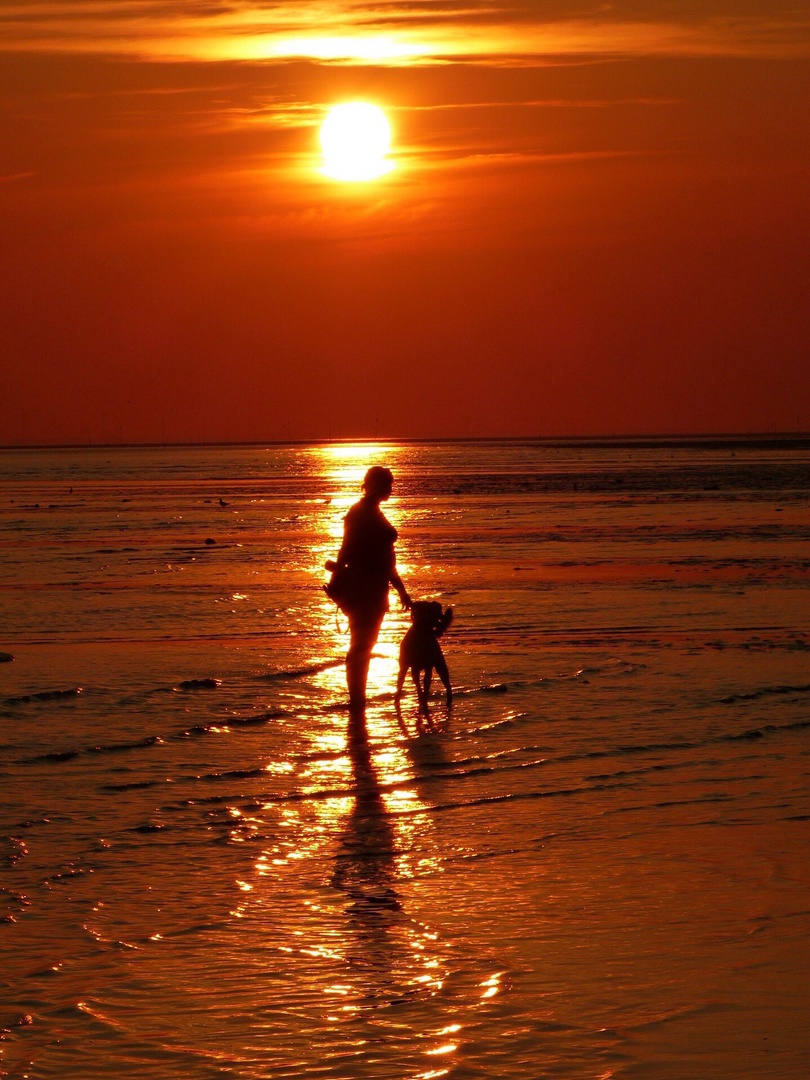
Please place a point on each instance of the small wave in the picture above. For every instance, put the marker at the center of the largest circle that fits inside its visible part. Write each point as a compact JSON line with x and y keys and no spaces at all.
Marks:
{"x":460,"y":769}
{"x":184,"y":686}
{"x":708,"y":1008}
{"x":104,"y":748}
{"x":199,"y":684}
{"x":44,"y":695}
{"x":517,"y":796}
{"x":309,"y":669}
{"x":68,"y":873}
{"x":205,"y":683}
{"x":133,"y":785}
{"x":12,"y":905}
{"x":234,"y":774}
{"x":766,"y":691}
{"x":135,"y":744}
{"x":612,"y":667}
{"x":155,"y":1054}
{"x":504,"y":722}
{"x":492,"y":688}
{"x":709,"y":797}
{"x":251,"y":802}
{"x":750,"y":735}
{"x":12,"y":849}
{"x":118,"y":944}
{"x":215,"y":727}
{"x":644,"y":771}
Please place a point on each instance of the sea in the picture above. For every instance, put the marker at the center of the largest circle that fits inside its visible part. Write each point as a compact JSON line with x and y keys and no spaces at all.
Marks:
{"x":595,"y":864}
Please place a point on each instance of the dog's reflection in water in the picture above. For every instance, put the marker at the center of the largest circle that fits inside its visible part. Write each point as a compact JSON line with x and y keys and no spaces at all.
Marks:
{"x":427,"y":750}
{"x":426,"y":722}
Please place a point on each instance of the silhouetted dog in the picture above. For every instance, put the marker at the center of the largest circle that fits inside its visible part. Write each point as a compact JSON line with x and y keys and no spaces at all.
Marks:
{"x":420,"y":652}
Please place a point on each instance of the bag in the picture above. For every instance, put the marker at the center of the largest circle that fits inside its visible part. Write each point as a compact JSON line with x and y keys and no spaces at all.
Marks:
{"x":342,"y":588}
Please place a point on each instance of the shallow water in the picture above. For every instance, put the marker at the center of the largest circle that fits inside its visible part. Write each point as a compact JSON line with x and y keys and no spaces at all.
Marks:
{"x":594,"y":866}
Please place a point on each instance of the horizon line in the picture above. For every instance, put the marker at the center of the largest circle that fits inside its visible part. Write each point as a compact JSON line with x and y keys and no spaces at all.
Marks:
{"x":663,"y":438}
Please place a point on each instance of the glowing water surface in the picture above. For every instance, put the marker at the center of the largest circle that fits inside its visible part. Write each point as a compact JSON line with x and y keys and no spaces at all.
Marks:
{"x":594,"y":866}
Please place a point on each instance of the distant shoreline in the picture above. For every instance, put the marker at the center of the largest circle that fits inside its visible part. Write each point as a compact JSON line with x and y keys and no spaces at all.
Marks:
{"x":785,"y":440}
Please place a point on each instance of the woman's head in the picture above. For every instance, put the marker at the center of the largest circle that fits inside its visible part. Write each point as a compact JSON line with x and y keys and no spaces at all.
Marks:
{"x":378,"y":482}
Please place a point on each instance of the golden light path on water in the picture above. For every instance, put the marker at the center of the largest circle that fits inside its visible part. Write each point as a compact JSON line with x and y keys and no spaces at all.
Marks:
{"x":364,"y":836}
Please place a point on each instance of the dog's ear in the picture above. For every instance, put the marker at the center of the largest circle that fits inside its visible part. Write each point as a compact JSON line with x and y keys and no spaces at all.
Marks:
{"x":444,"y":621}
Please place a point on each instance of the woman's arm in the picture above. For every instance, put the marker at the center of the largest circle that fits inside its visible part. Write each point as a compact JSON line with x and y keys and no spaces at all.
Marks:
{"x":396,"y":581}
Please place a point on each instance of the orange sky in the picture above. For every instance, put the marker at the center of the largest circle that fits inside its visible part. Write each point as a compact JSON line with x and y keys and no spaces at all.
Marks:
{"x":597,"y":220}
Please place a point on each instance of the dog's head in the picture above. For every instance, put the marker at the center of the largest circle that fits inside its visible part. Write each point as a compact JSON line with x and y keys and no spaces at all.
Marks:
{"x":427,"y":615}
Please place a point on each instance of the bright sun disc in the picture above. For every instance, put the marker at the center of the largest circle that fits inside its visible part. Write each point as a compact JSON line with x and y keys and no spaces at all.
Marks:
{"x":355,"y":137}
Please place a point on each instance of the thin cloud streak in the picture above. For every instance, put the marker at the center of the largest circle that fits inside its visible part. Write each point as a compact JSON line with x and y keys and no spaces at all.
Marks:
{"x":392,"y":34}
{"x":16,"y":176}
{"x":547,"y":103}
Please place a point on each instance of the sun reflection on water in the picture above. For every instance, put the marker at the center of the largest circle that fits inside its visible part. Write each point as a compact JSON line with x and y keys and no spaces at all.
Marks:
{"x":336,"y":877}
{"x":354,"y":842}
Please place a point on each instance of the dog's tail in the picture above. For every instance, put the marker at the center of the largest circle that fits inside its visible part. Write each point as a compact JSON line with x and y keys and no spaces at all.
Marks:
{"x":444,"y":621}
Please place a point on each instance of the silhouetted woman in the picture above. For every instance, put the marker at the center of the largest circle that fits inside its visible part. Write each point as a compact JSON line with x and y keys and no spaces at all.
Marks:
{"x":368,"y":552}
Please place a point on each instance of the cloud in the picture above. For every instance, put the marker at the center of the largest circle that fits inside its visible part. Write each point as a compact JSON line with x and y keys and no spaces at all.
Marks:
{"x":404,"y":33}
{"x":6,"y":179}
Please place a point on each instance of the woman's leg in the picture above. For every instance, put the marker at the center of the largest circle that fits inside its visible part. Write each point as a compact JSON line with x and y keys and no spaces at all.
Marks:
{"x":364,"y":630}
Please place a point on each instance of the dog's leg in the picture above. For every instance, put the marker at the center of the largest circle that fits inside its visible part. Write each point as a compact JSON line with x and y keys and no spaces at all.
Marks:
{"x":403,"y":671}
{"x":444,"y":675}
{"x":403,"y":727}
{"x":420,"y":693}
{"x":427,"y":681}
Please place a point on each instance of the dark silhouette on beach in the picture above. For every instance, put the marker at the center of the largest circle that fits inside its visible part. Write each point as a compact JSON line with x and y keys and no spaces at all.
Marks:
{"x":362,"y":575}
{"x":420,"y":651}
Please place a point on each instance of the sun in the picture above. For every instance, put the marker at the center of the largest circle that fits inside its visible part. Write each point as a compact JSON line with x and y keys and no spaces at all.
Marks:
{"x":355,"y":137}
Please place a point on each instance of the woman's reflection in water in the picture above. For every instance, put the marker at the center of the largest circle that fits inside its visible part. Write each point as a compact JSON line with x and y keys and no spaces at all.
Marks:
{"x":398,"y":955}
{"x":365,"y":862}
{"x":365,"y":865}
